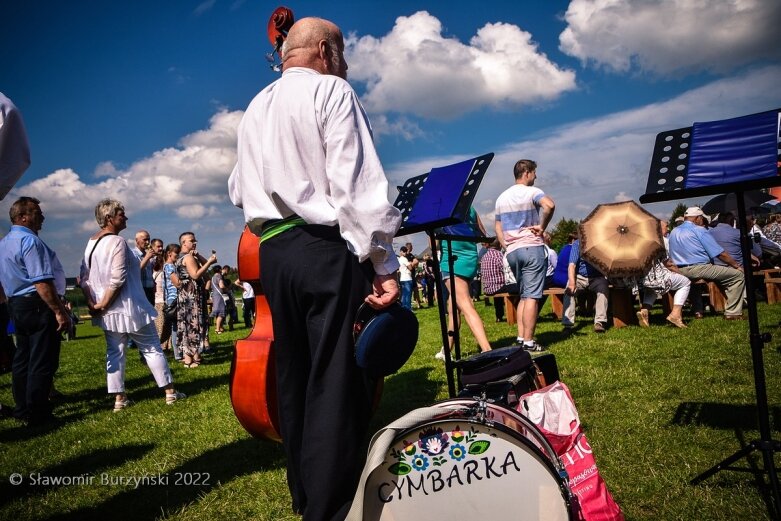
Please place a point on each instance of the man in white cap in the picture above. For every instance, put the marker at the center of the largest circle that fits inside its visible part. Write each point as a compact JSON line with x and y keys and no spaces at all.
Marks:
{"x":693,"y":249}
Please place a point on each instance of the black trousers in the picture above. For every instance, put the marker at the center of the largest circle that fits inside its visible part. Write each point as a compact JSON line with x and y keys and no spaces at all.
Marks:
{"x":248,"y":310}
{"x":36,"y":359}
{"x":314,"y":287}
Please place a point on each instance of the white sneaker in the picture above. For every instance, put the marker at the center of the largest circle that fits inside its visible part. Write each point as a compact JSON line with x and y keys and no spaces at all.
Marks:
{"x":441,"y":354}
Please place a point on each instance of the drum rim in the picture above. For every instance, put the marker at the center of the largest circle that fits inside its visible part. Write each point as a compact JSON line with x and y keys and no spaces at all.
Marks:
{"x":556,"y":462}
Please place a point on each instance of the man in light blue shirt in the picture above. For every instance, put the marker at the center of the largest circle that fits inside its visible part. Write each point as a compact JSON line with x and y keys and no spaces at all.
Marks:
{"x":34,"y":281}
{"x":694,"y":250}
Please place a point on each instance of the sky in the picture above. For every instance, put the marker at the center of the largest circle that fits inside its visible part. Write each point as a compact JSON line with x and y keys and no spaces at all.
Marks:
{"x":140,"y":100}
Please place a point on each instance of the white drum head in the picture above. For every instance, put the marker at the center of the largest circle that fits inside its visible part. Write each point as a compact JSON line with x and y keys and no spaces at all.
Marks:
{"x":462,"y":469}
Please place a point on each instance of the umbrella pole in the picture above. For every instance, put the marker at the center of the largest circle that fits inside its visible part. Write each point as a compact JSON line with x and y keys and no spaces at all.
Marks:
{"x":765,"y":444}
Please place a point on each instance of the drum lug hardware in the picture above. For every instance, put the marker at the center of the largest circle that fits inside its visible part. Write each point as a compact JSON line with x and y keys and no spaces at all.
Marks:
{"x":482,"y":408}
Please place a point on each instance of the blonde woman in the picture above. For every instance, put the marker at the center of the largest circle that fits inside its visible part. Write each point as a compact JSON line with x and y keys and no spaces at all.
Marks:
{"x":111,"y":281}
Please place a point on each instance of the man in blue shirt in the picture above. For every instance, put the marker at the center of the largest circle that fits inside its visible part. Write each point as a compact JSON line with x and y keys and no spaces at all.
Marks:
{"x":582,"y":276}
{"x":728,"y":237}
{"x":694,"y":250}
{"x":34,"y":280}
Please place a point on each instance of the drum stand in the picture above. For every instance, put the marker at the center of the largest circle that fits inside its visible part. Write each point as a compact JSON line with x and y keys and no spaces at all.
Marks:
{"x":438,"y":203}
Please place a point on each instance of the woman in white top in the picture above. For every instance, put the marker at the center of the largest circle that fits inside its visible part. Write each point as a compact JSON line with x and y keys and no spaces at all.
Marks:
{"x":111,"y":281}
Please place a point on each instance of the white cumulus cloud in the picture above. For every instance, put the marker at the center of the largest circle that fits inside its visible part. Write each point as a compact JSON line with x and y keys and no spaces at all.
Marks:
{"x":195,"y":172}
{"x":669,"y":36}
{"x":607,"y":159}
{"x":415,"y":69}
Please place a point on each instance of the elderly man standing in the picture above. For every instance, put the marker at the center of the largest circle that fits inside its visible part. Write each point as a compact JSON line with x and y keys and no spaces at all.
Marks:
{"x":311,"y":185}
{"x":34,"y":281}
{"x":146,"y":255}
{"x":522,"y":214}
{"x":694,"y":250}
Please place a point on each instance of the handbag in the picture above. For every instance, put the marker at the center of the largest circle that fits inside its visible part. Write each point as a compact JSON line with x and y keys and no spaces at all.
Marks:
{"x":169,"y":311}
{"x":553,"y":410}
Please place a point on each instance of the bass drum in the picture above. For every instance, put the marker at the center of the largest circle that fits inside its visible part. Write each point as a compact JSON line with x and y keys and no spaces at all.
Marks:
{"x":478,"y":461}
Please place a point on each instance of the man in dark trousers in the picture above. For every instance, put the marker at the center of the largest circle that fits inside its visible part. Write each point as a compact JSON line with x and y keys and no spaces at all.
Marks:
{"x":311,"y":185}
{"x":34,"y":282}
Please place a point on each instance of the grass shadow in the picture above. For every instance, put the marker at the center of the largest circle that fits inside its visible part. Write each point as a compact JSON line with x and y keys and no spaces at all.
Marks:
{"x":149,"y":501}
{"x":720,"y":415}
{"x":404,"y":392}
{"x":87,"y":467}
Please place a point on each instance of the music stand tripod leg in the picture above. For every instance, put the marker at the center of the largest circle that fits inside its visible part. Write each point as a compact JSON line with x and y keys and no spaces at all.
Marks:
{"x":766,"y":445}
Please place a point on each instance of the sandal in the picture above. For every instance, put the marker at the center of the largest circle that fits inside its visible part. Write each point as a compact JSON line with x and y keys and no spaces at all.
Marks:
{"x":677,"y":322}
{"x":122,"y":404}
{"x":171,"y":398}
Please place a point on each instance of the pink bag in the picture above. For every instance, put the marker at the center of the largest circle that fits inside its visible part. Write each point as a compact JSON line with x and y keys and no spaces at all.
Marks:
{"x":553,"y":410}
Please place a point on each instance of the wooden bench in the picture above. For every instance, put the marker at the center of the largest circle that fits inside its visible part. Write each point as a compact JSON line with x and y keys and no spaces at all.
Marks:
{"x":511,"y":303}
{"x":716,"y":297}
{"x":773,"y":285}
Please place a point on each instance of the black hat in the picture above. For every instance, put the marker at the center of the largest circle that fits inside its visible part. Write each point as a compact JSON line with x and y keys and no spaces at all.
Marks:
{"x":384,"y":339}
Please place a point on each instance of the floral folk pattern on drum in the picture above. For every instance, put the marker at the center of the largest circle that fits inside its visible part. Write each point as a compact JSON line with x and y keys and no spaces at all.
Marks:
{"x":435,"y":447}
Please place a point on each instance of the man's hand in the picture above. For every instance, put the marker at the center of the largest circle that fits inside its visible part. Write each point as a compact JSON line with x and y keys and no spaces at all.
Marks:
{"x":385,"y":291}
{"x":570,"y":289}
{"x":536,"y":230}
{"x":63,"y":321}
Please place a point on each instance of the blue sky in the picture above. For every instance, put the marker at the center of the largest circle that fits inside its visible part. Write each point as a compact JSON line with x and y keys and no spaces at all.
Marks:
{"x":140,"y":100}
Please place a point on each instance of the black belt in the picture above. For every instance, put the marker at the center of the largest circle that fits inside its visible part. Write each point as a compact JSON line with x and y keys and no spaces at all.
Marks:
{"x":27,"y":295}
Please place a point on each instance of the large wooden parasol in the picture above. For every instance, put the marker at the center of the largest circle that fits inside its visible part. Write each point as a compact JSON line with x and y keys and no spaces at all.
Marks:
{"x":621,"y":239}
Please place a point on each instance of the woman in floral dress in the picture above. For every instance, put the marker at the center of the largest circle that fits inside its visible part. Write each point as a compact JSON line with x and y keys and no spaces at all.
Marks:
{"x":192,"y":324}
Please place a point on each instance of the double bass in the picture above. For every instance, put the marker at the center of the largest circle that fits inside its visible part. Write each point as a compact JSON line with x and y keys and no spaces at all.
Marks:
{"x":253,"y":386}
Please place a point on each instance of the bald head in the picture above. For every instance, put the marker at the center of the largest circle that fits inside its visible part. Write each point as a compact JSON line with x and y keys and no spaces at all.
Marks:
{"x":142,"y":240}
{"x":316,"y":44}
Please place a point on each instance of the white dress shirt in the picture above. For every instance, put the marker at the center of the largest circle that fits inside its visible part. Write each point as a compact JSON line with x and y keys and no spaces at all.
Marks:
{"x":305,"y":147}
{"x":14,"y":148}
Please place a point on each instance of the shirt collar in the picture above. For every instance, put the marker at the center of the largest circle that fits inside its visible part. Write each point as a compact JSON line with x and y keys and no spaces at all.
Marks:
{"x":22,"y":229}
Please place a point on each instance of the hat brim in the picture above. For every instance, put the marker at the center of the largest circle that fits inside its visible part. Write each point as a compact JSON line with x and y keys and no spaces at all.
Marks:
{"x":384,"y":339}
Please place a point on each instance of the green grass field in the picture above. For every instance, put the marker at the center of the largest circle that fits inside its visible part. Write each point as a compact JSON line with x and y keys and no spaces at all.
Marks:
{"x":658,"y":405}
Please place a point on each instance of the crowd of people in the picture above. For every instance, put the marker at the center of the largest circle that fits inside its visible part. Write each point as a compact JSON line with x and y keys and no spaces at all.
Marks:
{"x":149,"y":297}
{"x":307,"y":133}
{"x":698,"y":251}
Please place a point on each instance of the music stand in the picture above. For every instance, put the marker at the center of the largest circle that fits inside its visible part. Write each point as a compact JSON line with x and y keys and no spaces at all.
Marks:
{"x":430,"y":203}
{"x":733,"y":155}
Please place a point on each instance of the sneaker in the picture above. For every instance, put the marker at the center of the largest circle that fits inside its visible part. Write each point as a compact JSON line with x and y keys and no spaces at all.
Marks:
{"x":534,"y":348}
{"x":598,"y":327}
{"x":642,"y":318}
{"x":441,"y":354}
{"x":171,"y":398}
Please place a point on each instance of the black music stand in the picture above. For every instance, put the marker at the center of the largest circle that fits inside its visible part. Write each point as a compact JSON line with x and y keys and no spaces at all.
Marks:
{"x":431,"y":203}
{"x":733,"y":155}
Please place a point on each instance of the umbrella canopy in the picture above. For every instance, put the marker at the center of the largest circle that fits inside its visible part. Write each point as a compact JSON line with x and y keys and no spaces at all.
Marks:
{"x":621,"y":239}
{"x":729,"y":202}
